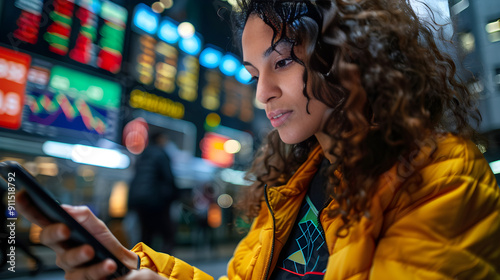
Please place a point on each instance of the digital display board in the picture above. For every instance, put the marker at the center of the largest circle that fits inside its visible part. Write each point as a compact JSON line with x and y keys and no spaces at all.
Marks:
{"x":88,"y":32}
{"x":72,"y":54}
{"x":160,"y":65}
{"x":161,"y":58}
{"x":13,"y":73}
{"x":61,"y":101}
{"x":175,"y":75}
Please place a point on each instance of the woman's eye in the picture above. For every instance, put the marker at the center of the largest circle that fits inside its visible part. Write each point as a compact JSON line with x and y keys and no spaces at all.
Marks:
{"x":283,"y":63}
{"x":253,"y":79}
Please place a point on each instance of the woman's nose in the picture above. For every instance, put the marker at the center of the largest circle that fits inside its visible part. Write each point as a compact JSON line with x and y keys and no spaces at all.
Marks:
{"x":267,"y":89}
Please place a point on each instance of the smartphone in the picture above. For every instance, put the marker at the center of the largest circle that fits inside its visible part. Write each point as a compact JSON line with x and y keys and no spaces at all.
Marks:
{"x":16,"y":175}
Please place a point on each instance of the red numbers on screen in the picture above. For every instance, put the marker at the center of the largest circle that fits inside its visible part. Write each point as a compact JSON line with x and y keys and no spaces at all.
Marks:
{"x":111,"y":45}
{"x":101,"y":27}
{"x":59,"y":31}
{"x":83,"y":50}
{"x":27,"y":27}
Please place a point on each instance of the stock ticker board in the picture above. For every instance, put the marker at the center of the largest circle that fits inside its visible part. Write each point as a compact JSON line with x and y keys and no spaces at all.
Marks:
{"x":69,"y":87}
{"x":88,"y":32}
{"x":69,"y":69}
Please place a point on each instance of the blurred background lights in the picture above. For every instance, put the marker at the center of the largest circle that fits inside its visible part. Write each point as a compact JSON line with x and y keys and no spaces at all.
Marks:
{"x":185,"y":29}
{"x":167,"y":3}
{"x":135,"y":135}
{"x":467,"y":41}
{"x":57,"y":149}
{"x":83,"y":154}
{"x":212,"y":120}
{"x":225,"y":200}
{"x":495,"y":167}
{"x":145,"y":19}
{"x":168,"y":32}
{"x":158,"y":7}
{"x":243,"y":76}
{"x":493,"y":26}
{"x":232,"y":146}
{"x":493,"y":29}
{"x":210,"y":57}
{"x":229,"y":64}
{"x":47,"y":166}
{"x":234,"y":4}
{"x":459,"y":6}
{"x":99,"y":157}
{"x":236,"y":177}
{"x":87,"y":173}
{"x":191,"y":45}
{"x":118,"y":200}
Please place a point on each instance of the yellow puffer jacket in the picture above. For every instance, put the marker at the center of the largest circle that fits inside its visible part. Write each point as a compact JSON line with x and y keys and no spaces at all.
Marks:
{"x":448,"y":227}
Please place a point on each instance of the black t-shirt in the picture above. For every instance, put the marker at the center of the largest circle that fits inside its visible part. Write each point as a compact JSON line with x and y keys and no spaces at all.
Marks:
{"x":305,"y":254}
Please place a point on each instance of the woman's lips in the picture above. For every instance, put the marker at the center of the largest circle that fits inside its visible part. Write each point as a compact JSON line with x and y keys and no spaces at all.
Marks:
{"x":279,"y":118}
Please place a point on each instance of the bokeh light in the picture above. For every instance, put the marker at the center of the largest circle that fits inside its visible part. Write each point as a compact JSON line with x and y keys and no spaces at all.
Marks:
{"x":186,"y":30}
{"x":232,"y":146}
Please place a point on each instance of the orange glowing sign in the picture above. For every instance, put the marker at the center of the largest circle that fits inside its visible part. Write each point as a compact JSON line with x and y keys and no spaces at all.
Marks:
{"x":13,"y":74}
{"x":212,"y":149}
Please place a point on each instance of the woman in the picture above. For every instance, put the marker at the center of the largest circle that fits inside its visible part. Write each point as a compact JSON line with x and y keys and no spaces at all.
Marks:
{"x":370,"y":172}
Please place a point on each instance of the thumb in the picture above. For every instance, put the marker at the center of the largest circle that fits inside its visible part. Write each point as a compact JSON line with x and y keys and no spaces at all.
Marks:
{"x":84,"y":216}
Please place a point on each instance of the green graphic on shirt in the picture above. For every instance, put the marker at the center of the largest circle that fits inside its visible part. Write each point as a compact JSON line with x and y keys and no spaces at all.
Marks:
{"x":307,"y":247}
{"x":298,"y":257}
{"x":312,"y":213}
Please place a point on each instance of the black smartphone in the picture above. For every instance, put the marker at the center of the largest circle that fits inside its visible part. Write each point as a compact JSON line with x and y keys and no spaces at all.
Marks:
{"x":16,"y":175}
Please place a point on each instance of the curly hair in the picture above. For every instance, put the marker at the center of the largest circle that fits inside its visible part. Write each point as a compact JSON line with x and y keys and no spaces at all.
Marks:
{"x":377,"y":65}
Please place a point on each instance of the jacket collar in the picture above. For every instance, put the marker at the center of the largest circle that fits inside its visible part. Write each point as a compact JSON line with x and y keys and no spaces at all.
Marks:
{"x":299,"y":182}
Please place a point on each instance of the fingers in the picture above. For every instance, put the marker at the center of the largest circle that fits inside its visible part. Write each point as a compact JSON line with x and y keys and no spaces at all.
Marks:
{"x":86,"y":218}
{"x":74,"y":260}
{"x":100,"y":231}
{"x":75,"y":257}
{"x":96,"y":271}
{"x":26,"y":207}
{"x":54,"y":235}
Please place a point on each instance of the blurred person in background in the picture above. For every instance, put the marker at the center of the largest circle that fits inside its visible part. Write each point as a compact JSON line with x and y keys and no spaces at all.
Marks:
{"x":371,"y":172}
{"x":204,"y":198}
{"x":152,"y":191}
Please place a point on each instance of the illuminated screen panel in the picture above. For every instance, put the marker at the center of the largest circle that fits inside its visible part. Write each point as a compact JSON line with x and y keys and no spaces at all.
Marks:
{"x":154,"y":63}
{"x":161,"y":58}
{"x":62,"y":101}
{"x":13,"y":72}
{"x":89,"y":32}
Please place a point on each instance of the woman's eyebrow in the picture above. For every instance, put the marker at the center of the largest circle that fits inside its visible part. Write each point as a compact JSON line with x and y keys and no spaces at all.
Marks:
{"x":268,"y":52}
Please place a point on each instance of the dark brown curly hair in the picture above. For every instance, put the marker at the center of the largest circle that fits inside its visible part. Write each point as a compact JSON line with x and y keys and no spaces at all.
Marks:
{"x":378,"y":66}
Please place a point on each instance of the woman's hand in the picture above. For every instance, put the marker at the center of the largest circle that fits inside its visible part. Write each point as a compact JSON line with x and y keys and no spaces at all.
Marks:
{"x":72,"y":260}
{"x":143,"y":274}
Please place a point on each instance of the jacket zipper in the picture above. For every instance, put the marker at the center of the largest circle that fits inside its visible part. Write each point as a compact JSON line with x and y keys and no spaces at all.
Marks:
{"x":274,"y":228}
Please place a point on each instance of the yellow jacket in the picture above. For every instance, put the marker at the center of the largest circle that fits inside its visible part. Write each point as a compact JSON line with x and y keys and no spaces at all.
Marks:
{"x":448,"y":227}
